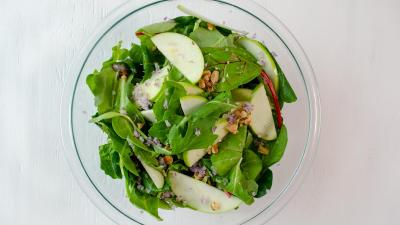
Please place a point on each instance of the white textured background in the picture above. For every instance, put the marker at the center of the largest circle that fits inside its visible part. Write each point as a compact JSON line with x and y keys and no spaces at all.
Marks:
{"x":354,"y":46}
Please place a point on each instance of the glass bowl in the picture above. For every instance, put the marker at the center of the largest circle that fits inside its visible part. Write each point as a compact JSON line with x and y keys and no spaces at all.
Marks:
{"x":81,"y":139}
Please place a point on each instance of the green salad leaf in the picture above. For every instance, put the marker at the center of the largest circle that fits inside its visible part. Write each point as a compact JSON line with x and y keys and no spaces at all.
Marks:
{"x":209,"y":38}
{"x":251,"y":165}
{"x":240,"y":186}
{"x":230,"y":151}
{"x":198,"y":133}
{"x":141,"y":200}
{"x":278,"y":148}
{"x":109,"y":161}
{"x":102,"y":84}
{"x":264,"y":183}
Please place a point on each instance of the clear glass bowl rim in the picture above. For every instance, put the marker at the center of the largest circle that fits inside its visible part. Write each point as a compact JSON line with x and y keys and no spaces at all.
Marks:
{"x":129,"y":8}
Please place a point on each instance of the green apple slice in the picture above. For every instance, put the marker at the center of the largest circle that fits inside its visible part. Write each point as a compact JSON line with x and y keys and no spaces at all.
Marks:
{"x":241,"y":95}
{"x":152,"y":87}
{"x":182,"y":52}
{"x":192,"y":156}
{"x":191,"y":102}
{"x":262,"y":122}
{"x":264,"y":57}
{"x":191,"y":89}
{"x":149,"y":115}
{"x":155,"y":175}
{"x":201,"y":196}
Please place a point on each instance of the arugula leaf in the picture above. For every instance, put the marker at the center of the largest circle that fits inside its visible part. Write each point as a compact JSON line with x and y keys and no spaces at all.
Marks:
{"x":239,"y":186}
{"x":160,"y":131}
{"x":109,"y":161}
{"x":201,"y":121}
{"x":146,"y":156}
{"x":157,"y":28}
{"x":123,"y":104}
{"x":251,"y":165}
{"x":277,"y":149}
{"x":102,"y":84}
{"x":135,"y":54}
{"x":126,"y":160}
{"x":185,"y":25}
{"x":206,"y":38}
{"x":230,"y":151}
{"x":119,"y":54}
{"x":264,"y":183}
{"x":143,"y":201}
{"x":148,"y":63}
{"x":285,"y":92}
{"x":116,"y":142}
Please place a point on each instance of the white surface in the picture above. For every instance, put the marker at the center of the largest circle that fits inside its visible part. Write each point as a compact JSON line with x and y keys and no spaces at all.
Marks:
{"x":352,"y":44}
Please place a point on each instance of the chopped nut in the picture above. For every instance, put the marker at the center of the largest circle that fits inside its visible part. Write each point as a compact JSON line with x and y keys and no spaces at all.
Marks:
{"x":215,"y":206}
{"x":247,"y":121}
{"x":168,"y":159}
{"x":207,"y":76}
{"x":214,"y":77}
{"x":263,"y":150}
{"x":233,"y":128}
{"x":208,"y":80}
{"x":214,"y":148}
{"x":140,"y":125}
{"x":202,"y":84}
{"x":210,"y":26}
{"x":243,"y":114}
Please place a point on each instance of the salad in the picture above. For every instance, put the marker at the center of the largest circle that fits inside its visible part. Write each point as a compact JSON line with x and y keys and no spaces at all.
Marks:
{"x":192,"y":114}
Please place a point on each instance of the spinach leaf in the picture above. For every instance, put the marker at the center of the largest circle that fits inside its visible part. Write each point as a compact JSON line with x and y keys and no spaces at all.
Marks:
{"x":109,"y":161}
{"x":122,"y":127}
{"x":235,"y":74}
{"x":251,"y":165}
{"x":285,"y":92}
{"x":277,"y":149}
{"x":264,"y":183}
{"x":230,"y":151}
{"x":200,"y":122}
{"x":102,"y":84}
{"x":157,"y":28}
{"x":239,"y":186}
{"x":143,"y":201}
{"x":236,"y":66}
{"x":206,"y":38}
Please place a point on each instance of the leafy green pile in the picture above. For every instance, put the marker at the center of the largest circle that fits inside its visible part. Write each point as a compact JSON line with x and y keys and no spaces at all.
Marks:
{"x":137,"y":145}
